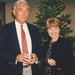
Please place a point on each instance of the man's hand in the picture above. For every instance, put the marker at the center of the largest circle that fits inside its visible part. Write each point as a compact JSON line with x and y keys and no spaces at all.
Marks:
{"x":24,"y":58}
{"x":33,"y":58}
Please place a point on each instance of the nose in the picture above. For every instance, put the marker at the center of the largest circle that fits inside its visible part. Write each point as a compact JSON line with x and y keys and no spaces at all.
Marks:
{"x":25,"y":13}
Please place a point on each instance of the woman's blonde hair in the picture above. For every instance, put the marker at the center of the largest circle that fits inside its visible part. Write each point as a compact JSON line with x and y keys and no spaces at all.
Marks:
{"x":52,"y":22}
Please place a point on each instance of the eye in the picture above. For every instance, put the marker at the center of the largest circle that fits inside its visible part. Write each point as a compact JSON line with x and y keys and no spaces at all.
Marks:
{"x":20,"y":10}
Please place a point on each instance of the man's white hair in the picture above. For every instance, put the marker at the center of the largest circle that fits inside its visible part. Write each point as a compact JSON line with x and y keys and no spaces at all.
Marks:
{"x":20,"y":1}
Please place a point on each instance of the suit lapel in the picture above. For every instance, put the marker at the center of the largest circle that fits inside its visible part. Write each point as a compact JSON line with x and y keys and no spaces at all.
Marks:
{"x":12,"y":37}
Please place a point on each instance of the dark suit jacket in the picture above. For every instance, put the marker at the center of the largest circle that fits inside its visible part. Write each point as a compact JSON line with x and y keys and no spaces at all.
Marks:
{"x":9,"y":48}
{"x":62,"y":53}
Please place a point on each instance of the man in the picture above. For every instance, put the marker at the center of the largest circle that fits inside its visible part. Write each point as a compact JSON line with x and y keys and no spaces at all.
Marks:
{"x":17,"y":62}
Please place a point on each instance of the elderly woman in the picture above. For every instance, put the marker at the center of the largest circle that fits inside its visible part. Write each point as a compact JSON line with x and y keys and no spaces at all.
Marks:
{"x":57,"y":51}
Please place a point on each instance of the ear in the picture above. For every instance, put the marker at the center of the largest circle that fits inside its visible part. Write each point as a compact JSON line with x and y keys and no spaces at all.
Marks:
{"x":13,"y":12}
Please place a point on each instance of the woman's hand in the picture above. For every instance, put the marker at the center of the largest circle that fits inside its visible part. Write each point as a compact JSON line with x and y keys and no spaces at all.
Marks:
{"x":52,"y":62}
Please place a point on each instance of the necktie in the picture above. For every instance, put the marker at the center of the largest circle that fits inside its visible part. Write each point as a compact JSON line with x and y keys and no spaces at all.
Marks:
{"x":24,"y":42}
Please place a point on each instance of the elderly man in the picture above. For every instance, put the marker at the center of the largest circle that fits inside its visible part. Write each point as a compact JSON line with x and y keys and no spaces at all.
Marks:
{"x":20,"y":43}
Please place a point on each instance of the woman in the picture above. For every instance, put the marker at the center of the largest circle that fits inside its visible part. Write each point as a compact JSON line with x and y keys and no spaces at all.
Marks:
{"x":57,"y":51}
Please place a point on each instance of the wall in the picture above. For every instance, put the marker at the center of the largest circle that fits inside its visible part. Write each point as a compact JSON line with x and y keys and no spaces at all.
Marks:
{"x":33,"y":9}
{"x":70,"y":9}
{"x":9,"y":17}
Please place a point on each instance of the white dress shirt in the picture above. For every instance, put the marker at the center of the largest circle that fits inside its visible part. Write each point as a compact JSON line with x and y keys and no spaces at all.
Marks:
{"x":28,"y":38}
{"x":27,"y":70}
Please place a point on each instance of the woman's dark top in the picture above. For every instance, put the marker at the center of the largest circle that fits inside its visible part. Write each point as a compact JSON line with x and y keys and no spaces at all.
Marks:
{"x":61,"y":52}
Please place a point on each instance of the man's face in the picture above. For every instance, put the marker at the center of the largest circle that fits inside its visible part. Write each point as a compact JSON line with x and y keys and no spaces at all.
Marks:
{"x":21,"y":13}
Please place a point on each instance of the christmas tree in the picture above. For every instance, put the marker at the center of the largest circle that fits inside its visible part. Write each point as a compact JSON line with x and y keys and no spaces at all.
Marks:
{"x":52,"y":8}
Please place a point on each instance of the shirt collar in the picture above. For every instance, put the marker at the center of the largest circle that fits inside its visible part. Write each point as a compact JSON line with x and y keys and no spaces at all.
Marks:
{"x":17,"y":23}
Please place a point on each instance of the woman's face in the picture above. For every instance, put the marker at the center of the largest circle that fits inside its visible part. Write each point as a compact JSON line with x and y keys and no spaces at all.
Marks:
{"x":54,"y":32}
